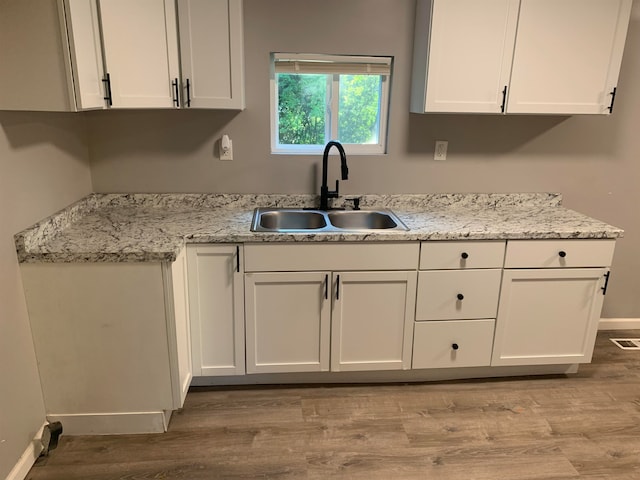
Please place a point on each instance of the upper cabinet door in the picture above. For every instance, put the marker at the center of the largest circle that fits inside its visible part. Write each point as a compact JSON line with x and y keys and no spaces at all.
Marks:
{"x":141,"y":52}
{"x":567,"y":55}
{"x":462,"y":55}
{"x":83,"y":31}
{"x":211,"y":50}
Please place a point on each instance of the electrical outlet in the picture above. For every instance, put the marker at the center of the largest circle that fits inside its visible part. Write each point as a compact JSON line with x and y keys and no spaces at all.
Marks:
{"x":440,"y":152}
{"x":226,"y":148}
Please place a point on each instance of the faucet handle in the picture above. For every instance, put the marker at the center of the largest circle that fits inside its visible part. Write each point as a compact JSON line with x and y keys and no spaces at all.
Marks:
{"x":337,"y":192}
{"x":356,"y":202}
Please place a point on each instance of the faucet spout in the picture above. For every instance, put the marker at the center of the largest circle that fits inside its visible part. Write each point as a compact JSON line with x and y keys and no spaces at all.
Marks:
{"x":325,"y":193}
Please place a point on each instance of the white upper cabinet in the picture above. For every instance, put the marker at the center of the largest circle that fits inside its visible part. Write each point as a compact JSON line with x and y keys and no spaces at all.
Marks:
{"x":51,"y":58}
{"x":140,"y":53}
{"x":462,"y":55}
{"x":211,"y":53}
{"x":567,"y":55}
{"x":85,"y":48}
{"x":518,"y":56}
{"x":70,"y":55}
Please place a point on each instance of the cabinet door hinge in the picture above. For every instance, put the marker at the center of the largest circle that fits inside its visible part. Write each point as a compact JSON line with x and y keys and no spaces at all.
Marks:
{"x":606,"y":283}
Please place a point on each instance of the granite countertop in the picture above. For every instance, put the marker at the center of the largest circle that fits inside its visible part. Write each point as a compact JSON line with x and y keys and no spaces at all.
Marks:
{"x":156,"y":227}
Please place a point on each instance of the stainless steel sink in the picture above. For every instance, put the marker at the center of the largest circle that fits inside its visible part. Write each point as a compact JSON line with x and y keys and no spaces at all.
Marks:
{"x":292,"y":220}
{"x":298,"y":220}
{"x":362,"y":220}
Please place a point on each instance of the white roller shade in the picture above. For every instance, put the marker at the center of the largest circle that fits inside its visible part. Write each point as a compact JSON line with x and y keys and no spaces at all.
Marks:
{"x":331,"y":64}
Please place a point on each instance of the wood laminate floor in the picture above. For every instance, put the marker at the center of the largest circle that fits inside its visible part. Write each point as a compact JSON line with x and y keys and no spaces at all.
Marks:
{"x":582,"y":426}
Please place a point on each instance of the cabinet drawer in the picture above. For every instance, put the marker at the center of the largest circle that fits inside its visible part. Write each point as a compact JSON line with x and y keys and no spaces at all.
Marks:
{"x":461,"y":255}
{"x":456,"y":294}
{"x":559,"y":253}
{"x":291,"y":257}
{"x":434,"y":344}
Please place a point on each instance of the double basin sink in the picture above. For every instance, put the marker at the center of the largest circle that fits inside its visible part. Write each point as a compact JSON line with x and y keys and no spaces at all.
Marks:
{"x":299,"y":220}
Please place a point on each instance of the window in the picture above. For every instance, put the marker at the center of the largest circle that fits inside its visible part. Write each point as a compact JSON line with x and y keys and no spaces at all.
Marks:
{"x":317,"y":98}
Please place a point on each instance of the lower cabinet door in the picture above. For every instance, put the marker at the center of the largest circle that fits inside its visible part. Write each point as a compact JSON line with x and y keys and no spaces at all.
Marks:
{"x":453,"y":343}
{"x":216,"y":294}
{"x":287,"y":321}
{"x":372,"y":321}
{"x":548,"y":316}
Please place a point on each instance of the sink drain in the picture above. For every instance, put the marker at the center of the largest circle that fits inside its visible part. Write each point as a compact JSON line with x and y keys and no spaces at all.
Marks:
{"x":627,"y":343}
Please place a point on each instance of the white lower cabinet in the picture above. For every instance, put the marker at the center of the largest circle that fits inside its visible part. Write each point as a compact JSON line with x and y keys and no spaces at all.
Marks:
{"x":111,"y":341}
{"x":548,"y":316}
{"x":372,"y":318}
{"x":455,"y":343}
{"x":550,"y":301}
{"x":296,"y":321}
{"x":340,"y":320}
{"x":287,"y":319}
{"x":357,"y":307}
{"x":216,"y":301}
{"x":456,"y":303}
{"x":458,"y":294}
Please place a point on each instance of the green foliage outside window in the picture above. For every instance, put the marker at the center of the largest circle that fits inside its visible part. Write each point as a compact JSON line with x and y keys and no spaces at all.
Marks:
{"x":359,"y":108}
{"x":302,"y":109}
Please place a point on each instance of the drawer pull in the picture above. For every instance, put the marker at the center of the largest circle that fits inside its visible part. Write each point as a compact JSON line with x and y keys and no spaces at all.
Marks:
{"x":464,"y":255}
{"x":455,"y":346}
{"x":562,"y":253}
{"x":460,"y":296}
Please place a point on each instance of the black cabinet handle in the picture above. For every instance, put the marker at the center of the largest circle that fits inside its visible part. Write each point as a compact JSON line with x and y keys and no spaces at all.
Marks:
{"x":338,"y":287}
{"x":464,"y":255}
{"x":606,"y":283}
{"x":613,"y":99}
{"x":176,"y":93}
{"x":326,"y":287}
{"x":460,"y":296}
{"x":562,"y":253}
{"x":504,"y":99}
{"x":238,"y":258}
{"x":188,"y":103}
{"x":455,"y":346}
{"x":107,"y":89}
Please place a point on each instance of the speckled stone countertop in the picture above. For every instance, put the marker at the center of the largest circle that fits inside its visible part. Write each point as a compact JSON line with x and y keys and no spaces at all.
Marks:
{"x":156,"y":227}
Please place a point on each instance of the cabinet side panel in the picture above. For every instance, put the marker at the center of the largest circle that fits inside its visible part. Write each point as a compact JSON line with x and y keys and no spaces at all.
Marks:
{"x":180,"y":319}
{"x":86,"y":53}
{"x":33,"y":57}
{"x":100,"y":336}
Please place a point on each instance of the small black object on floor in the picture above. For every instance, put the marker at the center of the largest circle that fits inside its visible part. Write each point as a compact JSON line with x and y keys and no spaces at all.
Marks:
{"x":50,"y":435}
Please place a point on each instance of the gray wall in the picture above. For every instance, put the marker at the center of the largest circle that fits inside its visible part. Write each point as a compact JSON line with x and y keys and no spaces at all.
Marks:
{"x":592,"y":160}
{"x":44,"y":166}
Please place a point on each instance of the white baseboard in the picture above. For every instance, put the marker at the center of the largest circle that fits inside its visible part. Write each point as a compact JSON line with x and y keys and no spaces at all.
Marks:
{"x":619,"y":324}
{"x":28,"y":458}
{"x":112,"y":423}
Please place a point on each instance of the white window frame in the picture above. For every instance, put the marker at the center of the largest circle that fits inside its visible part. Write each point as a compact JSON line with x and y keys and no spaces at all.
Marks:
{"x":333,"y":65}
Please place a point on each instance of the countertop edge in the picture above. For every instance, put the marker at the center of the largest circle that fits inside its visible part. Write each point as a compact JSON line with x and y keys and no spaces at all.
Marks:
{"x":37,"y":244}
